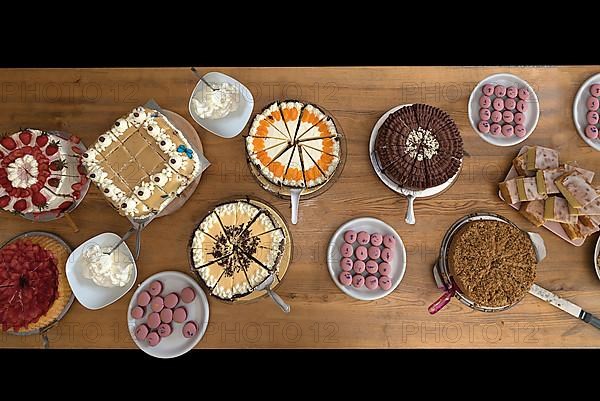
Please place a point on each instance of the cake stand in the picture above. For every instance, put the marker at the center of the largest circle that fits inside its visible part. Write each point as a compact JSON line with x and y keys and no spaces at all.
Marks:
{"x":284,"y":262}
{"x":409,"y":194}
{"x":294,"y":194}
{"x":43,"y":330}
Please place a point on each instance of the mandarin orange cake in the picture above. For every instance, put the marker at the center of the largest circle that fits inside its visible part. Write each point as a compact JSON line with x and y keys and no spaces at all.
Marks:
{"x":33,"y":285}
{"x":294,"y":144}
{"x":236,"y":247}
{"x":142,"y":163}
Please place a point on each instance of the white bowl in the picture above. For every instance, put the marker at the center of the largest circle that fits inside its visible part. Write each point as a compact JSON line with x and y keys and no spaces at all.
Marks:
{"x":580,"y":110}
{"x":532,"y":115}
{"x":232,"y":124}
{"x":175,"y":344}
{"x":370,"y":225}
{"x":596,"y":254}
{"x":90,"y":295}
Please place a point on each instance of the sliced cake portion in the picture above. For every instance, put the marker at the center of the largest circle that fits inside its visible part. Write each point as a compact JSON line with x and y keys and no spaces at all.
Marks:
{"x":527,"y":187}
{"x":575,"y":188}
{"x":509,"y":191}
{"x":310,"y":117}
{"x":540,"y":158}
{"x":290,"y":112}
{"x":534,"y":212}
{"x":557,"y":209}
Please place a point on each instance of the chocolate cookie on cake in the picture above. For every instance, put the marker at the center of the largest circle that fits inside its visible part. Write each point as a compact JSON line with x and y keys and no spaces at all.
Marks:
{"x":419,"y":147}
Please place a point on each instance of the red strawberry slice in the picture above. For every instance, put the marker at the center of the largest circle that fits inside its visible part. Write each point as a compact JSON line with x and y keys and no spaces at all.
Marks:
{"x":37,"y":186}
{"x":42,"y":140}
{"x":27,"y":150}
{"x":12,"y":191}
{"x":26,"y":193}
{"x":54,"y":182}
{"x":4,"y":201}
{"x":76,"y":194}
{"x":65,"y":205}
{"x":52,"y":148}
{"x":39,"y":200}
{"x":81,"y":169}
{"x":25,"y":137}
{"x":8,"y":143}
{"x":76,"y":186}
{"x":20,"y":205}
{"x":57,"y":165}
{"x":76,"y":149}
{"x":3,"y":180}
{"x":18,"y":153}
{"x":75,"y":139}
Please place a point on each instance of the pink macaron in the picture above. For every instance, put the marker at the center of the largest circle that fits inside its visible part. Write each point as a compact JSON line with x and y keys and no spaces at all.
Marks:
{"x":166,"y":315}
{"x":144,"y":298}
{"x":164,"y":330}
{"x":485,"y":102}
{"x":385,"y":269}
{"x":155,"y":288}
{"x":350,"y":236}
{"x":137,"y":312}
{"x":508,"y":116}
{"x":376,"y":239}
{"x":346,"y":250}
{"x":510,"y":104}
{"x":153,"y":339}
{"x":345,"y":278}
{"x":358,"y":281}
{"x":593,"y":103}
{"x":508,"y":130}
{"x":520,"y":131}
{"x":385,"y":283}
{"x":180,"y":314}
{"x":361,"y":252}
{"x":522,"y":106}
{"x":500,"y":90}
{"x":488,"y":89}
{"x":498,"y":104}
{"x":512,"y":92}
{"x":485,"y":114}
{"x":595,"y":90}
{"x":346,"y":264}
{"x":495,"y":129}
{"x":157,"y":304}
{"x":483,"y":127}
{"x":523,"y":94}
{"x":363,"y":238}
{"x":389,"y":241}
{"x":591,"y":132}
{"x":190,"y":329}
{"x":387,"y":255}
{"x":371,"y":266}
{"x":171,"y":300}
{"x":141,"y":332}
{"x":374,"y":252}
{"x":593,"y":117}
{"x":496,"y":116}
{"x":371,"y":282}
{"x":153,"y":320}
{"x":359,"y":266}
{"x":188,"y":295}
{"x":519,"y":118}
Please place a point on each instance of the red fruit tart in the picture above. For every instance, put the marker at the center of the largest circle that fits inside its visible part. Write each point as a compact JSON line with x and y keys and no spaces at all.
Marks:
{"x":34,"y":173}
{"x":33,"y":285}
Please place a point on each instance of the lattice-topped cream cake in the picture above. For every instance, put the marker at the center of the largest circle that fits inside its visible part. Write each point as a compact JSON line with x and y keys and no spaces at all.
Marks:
{"x":236,"y":247}
{"x":142,"y":163}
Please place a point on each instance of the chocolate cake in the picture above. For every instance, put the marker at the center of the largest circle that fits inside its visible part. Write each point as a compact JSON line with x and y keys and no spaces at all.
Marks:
{"x":419,"y":147}
{"x":492,"y":262}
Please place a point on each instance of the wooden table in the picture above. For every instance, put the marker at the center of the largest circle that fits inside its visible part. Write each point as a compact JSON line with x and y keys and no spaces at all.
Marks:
{"x":86,"y":102}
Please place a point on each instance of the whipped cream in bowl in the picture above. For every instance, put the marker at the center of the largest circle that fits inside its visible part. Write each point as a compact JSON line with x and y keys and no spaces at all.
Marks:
{"x":97,"y":279}
{"x":216,"y":101}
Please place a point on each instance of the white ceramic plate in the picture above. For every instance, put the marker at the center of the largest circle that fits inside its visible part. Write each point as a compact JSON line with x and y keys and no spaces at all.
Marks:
{"x":596,"y":254}
{"x":370,"y":225}
{"x":175,"y":344}
{"x":580,"y":110}
{"x":232,"y":124}
{"x":88,"y":294}
{"x":532,"y":115}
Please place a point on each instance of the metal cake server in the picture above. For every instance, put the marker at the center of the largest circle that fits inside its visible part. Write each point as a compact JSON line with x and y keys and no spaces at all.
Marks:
{"x":266,"y":285}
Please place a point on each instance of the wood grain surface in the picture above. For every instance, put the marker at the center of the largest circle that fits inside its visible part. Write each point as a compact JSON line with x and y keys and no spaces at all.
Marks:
{"x":85,"y":102}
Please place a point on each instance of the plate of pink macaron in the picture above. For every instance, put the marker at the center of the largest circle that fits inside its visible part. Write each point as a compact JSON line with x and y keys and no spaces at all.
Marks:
{"x":503,"y":109}
{"x":366,"y":258}
{"x":586,"y":111}
{"x":168,"y":314}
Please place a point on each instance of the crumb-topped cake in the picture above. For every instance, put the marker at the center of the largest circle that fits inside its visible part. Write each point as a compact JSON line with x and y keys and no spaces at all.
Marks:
{"x":294,"y":144}
{"x":33,"y":283}
{"x":142,"y":163}
{"x":236,"y":247}
{"x":492,"y":262}
{"x":39,"y":172}
{"x":419,"y":146}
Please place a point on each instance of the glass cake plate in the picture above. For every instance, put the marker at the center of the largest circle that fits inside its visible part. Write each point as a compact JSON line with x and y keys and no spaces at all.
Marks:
{"x":409,"y":194}
{"x":42,"y":331}
{"x":294,"y":194}
{"x":284,"y":262}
